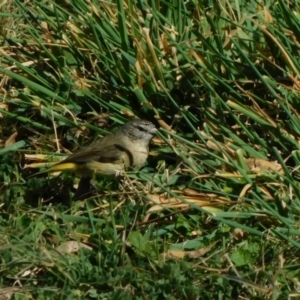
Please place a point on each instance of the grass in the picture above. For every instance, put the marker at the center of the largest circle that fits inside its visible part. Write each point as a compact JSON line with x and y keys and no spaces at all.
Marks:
{"x":215,"y":212}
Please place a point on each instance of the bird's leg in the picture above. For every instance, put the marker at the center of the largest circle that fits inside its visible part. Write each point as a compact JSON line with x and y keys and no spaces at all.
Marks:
{"x":84,"y":189}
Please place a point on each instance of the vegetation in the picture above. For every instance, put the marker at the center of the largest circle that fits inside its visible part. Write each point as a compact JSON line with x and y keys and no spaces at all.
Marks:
{"x":215,"y":212}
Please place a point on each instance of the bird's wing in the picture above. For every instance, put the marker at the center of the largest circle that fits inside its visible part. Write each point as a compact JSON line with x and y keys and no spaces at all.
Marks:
{"x":112,"y":153}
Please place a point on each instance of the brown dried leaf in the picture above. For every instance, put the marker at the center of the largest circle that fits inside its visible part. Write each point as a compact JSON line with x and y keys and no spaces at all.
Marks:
{"x":127,"y":113}
{"x":202,"y":251}
{"x":158,"y":141}
{"x":268,"y":16}
{"x":36,"y":156}
{"x":217,"y":148}
{"x":191,"y":192}
{"x":179,"y":254}
{"x":95,"y":9}
{"x":163,"y":124}
{"x":239,"y":234}
{"x":207,"y":201}
{"x":38,"y":165}
{"x":3,"y":106}
{"x":71,"y":246}
{"x":266,"y":192}
{"x":174,"y":254}
{"x":259,"y":166}
{"x":244,"y":190}
{"x":11,"y":140}
{"x":7,"y":293}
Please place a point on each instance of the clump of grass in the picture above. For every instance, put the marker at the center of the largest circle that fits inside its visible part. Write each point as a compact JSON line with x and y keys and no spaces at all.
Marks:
{"x":215,"y":211}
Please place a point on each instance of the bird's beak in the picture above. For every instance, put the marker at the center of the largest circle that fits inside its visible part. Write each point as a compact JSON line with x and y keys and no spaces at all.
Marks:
{"x":154,"y":131}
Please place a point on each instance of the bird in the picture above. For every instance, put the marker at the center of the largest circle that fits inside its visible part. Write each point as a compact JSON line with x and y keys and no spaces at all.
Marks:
{"x":127,"y":148}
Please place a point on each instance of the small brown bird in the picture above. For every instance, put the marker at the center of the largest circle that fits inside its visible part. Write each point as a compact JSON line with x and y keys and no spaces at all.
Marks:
{"x":127,"y":147}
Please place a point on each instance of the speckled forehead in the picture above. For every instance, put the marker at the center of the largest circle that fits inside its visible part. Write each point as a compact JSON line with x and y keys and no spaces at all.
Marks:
{"x":136,"y":123}
{"x":141,"y":122}
{"x":130,"y":128}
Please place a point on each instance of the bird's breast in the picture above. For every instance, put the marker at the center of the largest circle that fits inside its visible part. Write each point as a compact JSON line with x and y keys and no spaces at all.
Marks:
{"x":139,"y":155}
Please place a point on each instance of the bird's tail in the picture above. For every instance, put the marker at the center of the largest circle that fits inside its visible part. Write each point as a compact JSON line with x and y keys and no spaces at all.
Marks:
{"x":67,"y":166}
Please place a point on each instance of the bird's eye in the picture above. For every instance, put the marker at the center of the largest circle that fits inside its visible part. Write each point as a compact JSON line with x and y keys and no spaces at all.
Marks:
{"x":141,"y":128}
